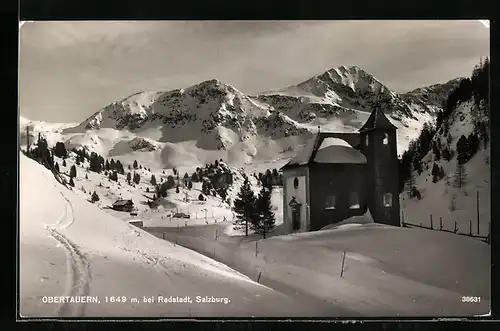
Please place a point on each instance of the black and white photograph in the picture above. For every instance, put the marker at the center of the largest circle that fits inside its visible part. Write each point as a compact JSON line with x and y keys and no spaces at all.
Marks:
{"x":254,"y":169}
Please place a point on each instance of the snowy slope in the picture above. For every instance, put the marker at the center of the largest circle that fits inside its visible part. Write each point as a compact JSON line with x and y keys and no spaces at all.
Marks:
{"x":388,"y":271}
{"x":52,"y":131}
{"x":438,"y":198}
{"x":69,"y":247}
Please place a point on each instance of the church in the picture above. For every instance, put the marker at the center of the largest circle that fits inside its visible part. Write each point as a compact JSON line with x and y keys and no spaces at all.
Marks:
{"x":340,"y":175}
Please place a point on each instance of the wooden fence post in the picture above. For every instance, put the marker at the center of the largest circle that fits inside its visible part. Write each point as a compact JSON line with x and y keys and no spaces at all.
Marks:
{"x":440,"y":223}
{"x":258,"y":278}
{"x":432,"y":227}
{"x":477,"y":211}
{"x":470,"y":228}
{"x":403,"y":218}
{"x":489,"y":234}
{"x":256,"y":248}
{"x":343,"y":260}
{"x":455,"y":229}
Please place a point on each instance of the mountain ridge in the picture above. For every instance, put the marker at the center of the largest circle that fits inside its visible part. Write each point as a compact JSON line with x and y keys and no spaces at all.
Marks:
{"x":215,"y":116}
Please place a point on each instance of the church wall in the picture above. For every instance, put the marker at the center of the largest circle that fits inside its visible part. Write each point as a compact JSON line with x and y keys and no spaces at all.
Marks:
{"x":344,"y":182}
{"x":301,"y":194}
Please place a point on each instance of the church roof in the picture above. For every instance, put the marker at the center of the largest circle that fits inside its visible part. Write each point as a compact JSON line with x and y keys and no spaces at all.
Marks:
{"x":377,"y":120}
{"x":329,"y":147}
{"x":338,"y":153}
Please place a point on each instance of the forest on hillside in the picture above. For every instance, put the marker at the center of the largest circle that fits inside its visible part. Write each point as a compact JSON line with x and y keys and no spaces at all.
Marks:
{"x":475,"y":89}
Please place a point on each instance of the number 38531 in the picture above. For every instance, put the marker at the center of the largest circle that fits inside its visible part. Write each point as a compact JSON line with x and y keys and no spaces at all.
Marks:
{"x":471,"y":299}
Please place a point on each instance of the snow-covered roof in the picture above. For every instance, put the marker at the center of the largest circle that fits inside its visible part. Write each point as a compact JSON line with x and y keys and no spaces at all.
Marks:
{"x":326,"y":144}
{"x":331,"y":141}
{"x":339,"y":154}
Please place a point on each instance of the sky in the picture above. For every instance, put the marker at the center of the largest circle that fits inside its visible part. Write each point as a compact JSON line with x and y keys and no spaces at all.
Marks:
{"x":69,"y":70}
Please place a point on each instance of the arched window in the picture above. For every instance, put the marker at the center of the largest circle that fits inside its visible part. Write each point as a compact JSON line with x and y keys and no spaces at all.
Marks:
{"x":366,"y":140}
{"x":296,"y":183}
{"x":385,"y":141}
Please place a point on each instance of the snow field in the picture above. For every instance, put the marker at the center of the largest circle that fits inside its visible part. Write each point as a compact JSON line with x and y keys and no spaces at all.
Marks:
{"x":69,"y":246}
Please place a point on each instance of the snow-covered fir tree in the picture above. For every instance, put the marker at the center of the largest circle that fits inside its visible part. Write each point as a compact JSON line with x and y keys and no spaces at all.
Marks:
{"x":245,"y":206}
{"x":264,"y":223}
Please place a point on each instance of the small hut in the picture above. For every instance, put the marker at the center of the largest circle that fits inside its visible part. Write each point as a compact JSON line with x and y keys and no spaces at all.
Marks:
{"x":123,"y":205}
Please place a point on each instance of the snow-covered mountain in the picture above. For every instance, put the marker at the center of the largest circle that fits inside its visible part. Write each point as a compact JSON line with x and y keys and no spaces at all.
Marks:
{"x":214,"y":119}
{"x":338,"y":90}
{"x":431,"y":97}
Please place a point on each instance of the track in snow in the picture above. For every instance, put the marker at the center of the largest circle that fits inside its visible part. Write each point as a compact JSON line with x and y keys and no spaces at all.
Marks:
{"x":78,"y":281}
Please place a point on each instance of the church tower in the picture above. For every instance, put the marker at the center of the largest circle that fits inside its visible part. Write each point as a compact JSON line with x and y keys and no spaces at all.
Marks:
{"x":378,"y":143}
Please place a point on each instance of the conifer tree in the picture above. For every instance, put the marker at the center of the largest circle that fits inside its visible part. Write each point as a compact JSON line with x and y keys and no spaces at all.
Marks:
{"x":153,"y":180}
{"x":95,"y":162}
{"x":60,"y":150}
{"x":245,"y":206}
{"x":86,"y":176}
{"x":194,"y":177}
{"x":435,"y":172}
{"x":170,"y":182}
{"x":135,"y":164}
{"x":190,"y":185}
{"x":119,"y":167}
{"x":177,"y":189}
{"x":460,"y":175}
{"x":113,"y":175}
{"x":186,"y":176}
{"x":71,"y":182}
{"x":222,"y":193}
{"x":411,"y":181}
{"x":72,"y":171}
{"x":107,"y":165}
{"x":462,"y":149}
{"x":95,"y":197}
{"x":137,"y":178}
{"x":264,"y":223}
{"x":129,"y":177}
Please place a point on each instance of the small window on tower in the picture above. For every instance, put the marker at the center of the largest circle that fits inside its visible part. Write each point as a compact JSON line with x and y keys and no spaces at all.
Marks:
{"x":386,"y":139}
{"x":387,"y":199}
{"x":296,"y":183}
{"x":330,"y":202}
{"x":366,"y":140}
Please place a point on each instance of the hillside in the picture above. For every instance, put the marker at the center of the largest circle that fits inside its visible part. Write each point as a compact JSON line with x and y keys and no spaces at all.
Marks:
{"x":212,"y":120}
{"x":443,"y":199}
{"x":431,"y":97}
{"x":448,"y":166}
{"x":70,"y":247}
